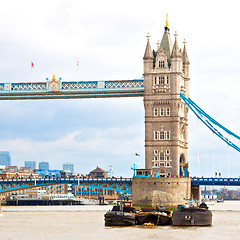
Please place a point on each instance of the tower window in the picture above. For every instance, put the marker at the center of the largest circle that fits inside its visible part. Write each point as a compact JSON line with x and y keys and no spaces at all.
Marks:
{"x":161,"y":80}
{"x":155,"y":111}
{"x":155,"y":158}
{"x":161,"y":64}
{"x":161,"y":164}
{"x":155,"y":152}
{"x":168,"y":111}
{"x":161,"y":156}
{"x":161,"y":135}
{"x":155,"y":80}
{"x":161,"y":111}
{"x":167,"y":82}
{"x":167,"y":135}
{"x":155,"y":136}
{"x":167,"y":151}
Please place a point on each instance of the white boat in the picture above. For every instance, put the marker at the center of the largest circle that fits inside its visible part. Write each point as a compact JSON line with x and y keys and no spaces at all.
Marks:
{"x":209,"y":203}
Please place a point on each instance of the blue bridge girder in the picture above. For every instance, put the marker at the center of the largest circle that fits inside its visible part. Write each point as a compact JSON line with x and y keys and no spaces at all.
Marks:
{"x":122,"y":185}
{"x":83,"y":89}
{"x":215,"y":181}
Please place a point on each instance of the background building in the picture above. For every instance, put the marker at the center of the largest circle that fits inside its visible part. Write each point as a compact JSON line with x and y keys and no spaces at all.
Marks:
{"x":68,"y":166}
{"x":94,"y":193}
{"x":44,"y":166}
{"x":5,"y":158}
{"x":31,"y":164}
{"x":98,"y":173}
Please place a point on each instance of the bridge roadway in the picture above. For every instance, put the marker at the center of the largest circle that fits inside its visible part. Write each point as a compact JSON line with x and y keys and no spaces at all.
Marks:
{"x":123,"y":185}
{"x":56,"y":89}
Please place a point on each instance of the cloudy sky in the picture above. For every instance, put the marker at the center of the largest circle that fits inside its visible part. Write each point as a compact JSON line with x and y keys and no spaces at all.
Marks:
{"x":108,"y":38}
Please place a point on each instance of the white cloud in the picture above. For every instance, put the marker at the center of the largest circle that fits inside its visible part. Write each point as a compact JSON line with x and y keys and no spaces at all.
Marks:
{"x":108,"y":39}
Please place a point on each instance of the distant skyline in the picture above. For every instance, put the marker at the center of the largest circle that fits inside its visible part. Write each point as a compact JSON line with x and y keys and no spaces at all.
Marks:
{"x":107,"y":40}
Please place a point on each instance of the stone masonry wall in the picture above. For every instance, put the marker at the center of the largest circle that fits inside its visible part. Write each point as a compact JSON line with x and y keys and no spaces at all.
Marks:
{"x":168,"y":192}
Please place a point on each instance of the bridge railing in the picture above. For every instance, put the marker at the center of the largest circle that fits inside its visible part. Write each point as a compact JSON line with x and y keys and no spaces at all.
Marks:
{"x":71,"y":87}
{"x":70,"y":179}
{"x":215,"y":181}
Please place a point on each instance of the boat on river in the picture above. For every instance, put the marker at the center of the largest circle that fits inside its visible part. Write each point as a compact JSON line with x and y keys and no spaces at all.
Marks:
{"x":123,"y":214}
{"x":192,"y":216}
{"x":158,"y":216}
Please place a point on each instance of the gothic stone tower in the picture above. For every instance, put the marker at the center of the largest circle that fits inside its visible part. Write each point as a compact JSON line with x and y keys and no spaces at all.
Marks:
{"x":166,"y":74}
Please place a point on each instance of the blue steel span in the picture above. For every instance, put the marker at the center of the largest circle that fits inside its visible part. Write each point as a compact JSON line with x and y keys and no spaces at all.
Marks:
{"x":122,"y":185}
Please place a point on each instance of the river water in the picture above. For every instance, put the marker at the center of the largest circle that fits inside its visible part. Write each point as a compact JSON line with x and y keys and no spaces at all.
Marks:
{"x":87,"y":223}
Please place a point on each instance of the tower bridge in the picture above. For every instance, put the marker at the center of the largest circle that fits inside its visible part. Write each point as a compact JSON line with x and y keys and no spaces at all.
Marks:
{"x":165,"y":92}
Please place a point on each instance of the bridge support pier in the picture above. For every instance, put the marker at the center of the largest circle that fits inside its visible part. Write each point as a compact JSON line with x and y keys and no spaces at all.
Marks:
{"x":196,"y":193}
{"x":166,"y":191}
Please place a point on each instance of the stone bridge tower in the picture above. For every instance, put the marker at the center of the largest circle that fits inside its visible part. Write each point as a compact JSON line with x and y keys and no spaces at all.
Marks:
{"x":166,"y":74}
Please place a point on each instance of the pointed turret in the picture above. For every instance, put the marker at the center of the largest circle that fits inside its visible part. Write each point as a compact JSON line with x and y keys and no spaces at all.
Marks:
{"x":166,"y":43}
{"x":186,"y":63}
{"x":175,"y":51}
{"x":185,"y":56}
{"x":148,"y":57}
{"x":148,"y":52}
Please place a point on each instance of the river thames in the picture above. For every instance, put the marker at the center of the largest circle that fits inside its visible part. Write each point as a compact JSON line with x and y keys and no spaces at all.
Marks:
{"x":87,"y":222}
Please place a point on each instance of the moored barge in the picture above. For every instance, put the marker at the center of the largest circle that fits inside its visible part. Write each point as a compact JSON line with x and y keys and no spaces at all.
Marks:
{"x":123,"y":214}
{"x":192,"y":216}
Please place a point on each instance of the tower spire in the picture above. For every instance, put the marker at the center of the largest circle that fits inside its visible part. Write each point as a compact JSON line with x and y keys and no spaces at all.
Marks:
{"x":148,"y":52}
{"x":175,"y":51}
{"x":185,"y":56}
{"x":166,"y":43}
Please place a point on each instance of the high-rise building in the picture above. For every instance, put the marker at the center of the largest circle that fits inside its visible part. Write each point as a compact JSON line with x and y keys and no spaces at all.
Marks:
{"x":68,"y":166}
{"x":44,"y":166}
{"x":5,"y":158}
{"x":31,"y":164}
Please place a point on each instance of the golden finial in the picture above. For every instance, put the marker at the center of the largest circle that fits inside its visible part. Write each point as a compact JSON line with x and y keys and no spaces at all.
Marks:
{"x":54,"y":78}
{"x":166,"y":21}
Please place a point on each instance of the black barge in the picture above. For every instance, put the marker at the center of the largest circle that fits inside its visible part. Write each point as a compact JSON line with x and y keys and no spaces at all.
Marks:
{"x":192,"y":216}
{"x":123,"y":214}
